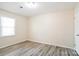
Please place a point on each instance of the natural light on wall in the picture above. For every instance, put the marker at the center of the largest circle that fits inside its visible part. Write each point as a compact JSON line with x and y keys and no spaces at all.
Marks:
{"x":7,"y":26}
{"x":31,"y":4}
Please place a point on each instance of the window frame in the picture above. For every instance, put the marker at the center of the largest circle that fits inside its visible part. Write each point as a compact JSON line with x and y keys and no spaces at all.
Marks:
{"x":14,"y":28}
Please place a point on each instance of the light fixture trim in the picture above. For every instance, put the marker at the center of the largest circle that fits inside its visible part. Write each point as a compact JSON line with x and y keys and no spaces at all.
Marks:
{"x":31,"y":4}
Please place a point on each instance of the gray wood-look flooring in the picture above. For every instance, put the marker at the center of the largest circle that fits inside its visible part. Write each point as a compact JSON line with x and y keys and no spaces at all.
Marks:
{"x":29,"y":48}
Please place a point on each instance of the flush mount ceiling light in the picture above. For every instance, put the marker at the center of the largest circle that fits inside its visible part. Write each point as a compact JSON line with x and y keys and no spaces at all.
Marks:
{"x":31,"y":4}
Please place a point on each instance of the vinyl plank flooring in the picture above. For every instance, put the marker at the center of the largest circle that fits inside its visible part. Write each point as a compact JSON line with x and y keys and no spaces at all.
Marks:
{"x":29,"y":48}
{"x":57,"y":51}
{"x":37,"y":51}
{"x":65,"y":52}
{"x":51,"y":51}
{"x":44,"y":50}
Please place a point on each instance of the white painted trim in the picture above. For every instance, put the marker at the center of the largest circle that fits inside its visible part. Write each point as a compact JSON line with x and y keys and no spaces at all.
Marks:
{"x":49,"y":44}
{"x":0,"y":26}
{"x":13,"y":44}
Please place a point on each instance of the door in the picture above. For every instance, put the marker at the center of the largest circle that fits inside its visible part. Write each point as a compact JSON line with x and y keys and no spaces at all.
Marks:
{"x":77,"y":30}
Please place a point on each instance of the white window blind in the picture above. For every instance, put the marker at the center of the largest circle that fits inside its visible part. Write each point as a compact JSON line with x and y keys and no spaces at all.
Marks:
{"x":7,"y":26}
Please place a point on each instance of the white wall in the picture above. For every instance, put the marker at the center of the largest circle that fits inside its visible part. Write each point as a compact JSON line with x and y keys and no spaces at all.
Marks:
{"x":21,"y":30}
{"x":53,"y":28}
{"x":77,"y":28}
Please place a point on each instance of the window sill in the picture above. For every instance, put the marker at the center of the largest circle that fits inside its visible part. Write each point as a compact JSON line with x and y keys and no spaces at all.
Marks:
{"x":7,"y":36}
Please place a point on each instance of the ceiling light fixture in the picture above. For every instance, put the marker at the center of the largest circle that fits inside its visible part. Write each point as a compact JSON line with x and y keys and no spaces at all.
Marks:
{"x":31,"y":4}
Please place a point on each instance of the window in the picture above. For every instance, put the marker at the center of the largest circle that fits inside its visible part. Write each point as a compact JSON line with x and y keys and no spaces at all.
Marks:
{"x":7,"y":26}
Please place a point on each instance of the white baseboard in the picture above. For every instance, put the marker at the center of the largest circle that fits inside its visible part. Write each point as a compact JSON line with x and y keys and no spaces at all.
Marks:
{"x":33,"y":41}
{"x":51,"y":44}
{"x":12,"y":44}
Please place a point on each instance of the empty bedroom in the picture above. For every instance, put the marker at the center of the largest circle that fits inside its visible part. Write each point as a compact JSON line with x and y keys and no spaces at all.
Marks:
{"x":39,"y":29}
